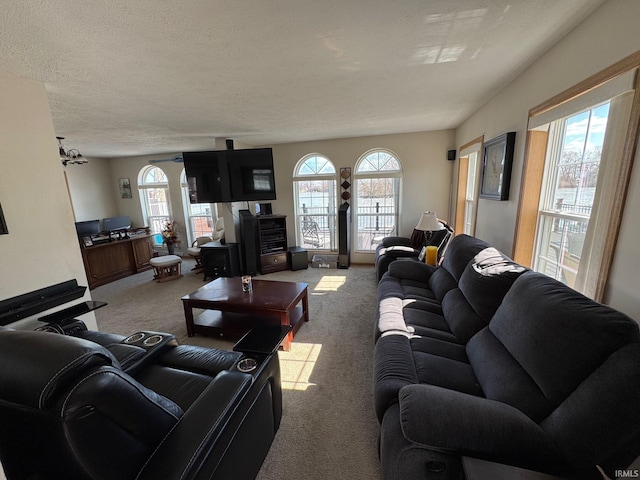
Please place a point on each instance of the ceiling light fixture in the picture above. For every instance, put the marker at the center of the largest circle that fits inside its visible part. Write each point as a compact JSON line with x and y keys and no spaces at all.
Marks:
{"x":70,"y":156}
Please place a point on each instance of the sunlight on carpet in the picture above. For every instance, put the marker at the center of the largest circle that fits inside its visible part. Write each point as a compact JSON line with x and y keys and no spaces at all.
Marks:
{"x":296,"y":365}
{"x":329,"y":283}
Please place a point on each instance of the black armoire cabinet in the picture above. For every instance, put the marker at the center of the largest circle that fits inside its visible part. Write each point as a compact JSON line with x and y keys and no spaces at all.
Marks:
{"x":264,"y":243}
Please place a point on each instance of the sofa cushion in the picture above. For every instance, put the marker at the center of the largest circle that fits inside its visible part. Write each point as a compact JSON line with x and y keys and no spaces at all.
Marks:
{"x":440,"y":282}
{"x":486,"y":280}
{"x":461,"y":318}
{"x":503,"y":379}
{"x":460,"y":252}
{"x":435,"y":346}
{"x":446,"y":372}
{"x":557,"y":335}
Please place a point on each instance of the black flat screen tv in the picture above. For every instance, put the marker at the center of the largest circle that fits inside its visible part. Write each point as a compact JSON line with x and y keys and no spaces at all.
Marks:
{"x":230,"y":175}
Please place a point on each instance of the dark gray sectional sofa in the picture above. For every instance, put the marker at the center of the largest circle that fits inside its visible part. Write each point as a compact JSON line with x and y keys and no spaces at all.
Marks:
{"x":484,"y":358}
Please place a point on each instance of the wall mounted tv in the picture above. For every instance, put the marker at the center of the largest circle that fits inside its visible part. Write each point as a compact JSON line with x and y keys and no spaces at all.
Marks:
{"x":230,"y":175}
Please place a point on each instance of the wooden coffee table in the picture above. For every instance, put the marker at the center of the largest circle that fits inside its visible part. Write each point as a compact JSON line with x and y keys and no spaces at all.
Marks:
{"x":230,"y":312}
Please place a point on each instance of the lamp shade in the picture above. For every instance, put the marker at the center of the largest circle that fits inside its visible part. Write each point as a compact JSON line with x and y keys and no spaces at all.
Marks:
{"x":429,"y":222}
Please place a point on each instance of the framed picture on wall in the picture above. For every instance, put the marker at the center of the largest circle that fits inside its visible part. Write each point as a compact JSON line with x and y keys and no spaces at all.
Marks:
{"x":497,"y":159}
{"x":125,"y":187}
{"x":3,"y":224}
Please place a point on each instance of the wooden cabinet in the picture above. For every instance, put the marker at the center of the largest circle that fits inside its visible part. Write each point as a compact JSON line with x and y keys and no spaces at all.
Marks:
{"x":111,"y":261}
{"x":272,"y":243}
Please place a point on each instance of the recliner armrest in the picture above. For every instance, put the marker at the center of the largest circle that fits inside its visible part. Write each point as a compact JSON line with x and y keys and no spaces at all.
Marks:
{"x":447,"y":420}
{"x":391,"y":241}
{"x":191,"y":441}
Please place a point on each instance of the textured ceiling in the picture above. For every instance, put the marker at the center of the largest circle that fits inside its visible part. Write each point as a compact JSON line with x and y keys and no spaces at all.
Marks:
{"x":144,"y":77}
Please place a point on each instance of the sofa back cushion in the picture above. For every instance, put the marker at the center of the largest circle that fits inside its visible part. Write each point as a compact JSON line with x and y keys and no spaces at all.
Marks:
{"x":440,"y":282}
{"x":487,"y":279}
{"x":462,"y":319}
{"x":551,"y":339}
{"x":460,"y":251}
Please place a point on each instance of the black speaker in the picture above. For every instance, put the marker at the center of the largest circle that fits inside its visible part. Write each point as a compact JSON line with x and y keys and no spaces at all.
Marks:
{"x":229,"y":143}
{"x":451,"y":155}
{"x":344,"y":233}
{"x":249,"y":242}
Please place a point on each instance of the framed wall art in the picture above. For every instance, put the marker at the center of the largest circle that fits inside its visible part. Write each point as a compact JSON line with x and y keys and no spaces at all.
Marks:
{"x":125,"y":188}
{"x":497,"y":159}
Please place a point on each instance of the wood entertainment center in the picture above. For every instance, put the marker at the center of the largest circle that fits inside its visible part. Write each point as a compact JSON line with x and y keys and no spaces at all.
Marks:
{"x":111,"y":261}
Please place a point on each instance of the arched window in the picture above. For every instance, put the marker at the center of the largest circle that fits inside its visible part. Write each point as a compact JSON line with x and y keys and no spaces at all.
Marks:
{"x":377,"y":182}
{"x":154,"y":193}
{"x":314,"y":191}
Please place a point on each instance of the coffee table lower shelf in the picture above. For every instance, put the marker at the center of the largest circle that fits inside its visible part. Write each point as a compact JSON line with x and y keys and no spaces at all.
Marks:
{"x":232,"y":325}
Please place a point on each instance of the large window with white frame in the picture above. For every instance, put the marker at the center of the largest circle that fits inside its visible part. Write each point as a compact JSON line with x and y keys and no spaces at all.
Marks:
{"x":154,"y":194}
{"x":315,"y":192}
{"x":377,"y":181}
{"x":467,"y":189}
{"x":568,"y":192}
{"x":200,"y":218}
{"x":577,"y":166}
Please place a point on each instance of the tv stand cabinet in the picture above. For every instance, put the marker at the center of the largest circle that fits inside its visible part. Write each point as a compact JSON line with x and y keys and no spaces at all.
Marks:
{"x":111,"y":261}
{"x":272,"y":240}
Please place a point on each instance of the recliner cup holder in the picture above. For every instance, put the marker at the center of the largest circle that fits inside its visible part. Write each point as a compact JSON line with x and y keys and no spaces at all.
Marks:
{"x":247,"y":364}
{"x":149,"y":340}
{"x":153,"y":340}
{"x":134,"y":338}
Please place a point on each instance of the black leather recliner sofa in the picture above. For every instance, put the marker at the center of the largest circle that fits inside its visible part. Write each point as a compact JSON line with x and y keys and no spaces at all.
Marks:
{"x":140,"y":407}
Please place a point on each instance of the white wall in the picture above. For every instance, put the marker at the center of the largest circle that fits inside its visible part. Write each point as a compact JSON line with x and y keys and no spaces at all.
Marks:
{"x":41,"y":248}
{"x":426,"y":176}
{"x":93,"y":197}
{"x":608,"y":35}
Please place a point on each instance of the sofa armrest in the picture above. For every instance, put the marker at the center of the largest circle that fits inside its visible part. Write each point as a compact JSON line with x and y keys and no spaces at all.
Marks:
{"x":194,"y":437}
{"x":411,"y":270}
{"x":393,"y":369}
{"x":392,"y":241}
{"x":448,"y":420}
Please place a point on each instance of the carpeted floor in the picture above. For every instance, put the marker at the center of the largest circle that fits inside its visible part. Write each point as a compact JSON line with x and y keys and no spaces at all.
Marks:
{"x":328,"y":430}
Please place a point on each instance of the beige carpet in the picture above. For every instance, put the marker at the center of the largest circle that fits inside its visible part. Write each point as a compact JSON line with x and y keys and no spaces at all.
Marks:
{"x":328,"y":430}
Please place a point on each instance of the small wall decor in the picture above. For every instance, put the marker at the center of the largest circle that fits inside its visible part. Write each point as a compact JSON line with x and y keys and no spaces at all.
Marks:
{"x":125,"y":188}
{"x":3,"y":224}
{"x":345,"y":175}
{"x":496,"y":167}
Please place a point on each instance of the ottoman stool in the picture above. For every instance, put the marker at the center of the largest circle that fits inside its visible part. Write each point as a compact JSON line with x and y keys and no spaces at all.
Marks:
{"x":166,"y":268}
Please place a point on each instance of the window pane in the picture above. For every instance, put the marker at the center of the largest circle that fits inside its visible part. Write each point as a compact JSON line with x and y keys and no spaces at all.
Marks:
{"x":316,"y":165}
{"x":579,"y":163}
{"x":316,"y":213}
{"x":571,"y":182}
{"x":378,"y":162}
{"x":560,"y":247}
{"x":377,"y":208}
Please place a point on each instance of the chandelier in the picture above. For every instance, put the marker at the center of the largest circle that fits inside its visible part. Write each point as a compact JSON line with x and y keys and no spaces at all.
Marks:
{"x":70,"y":156}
